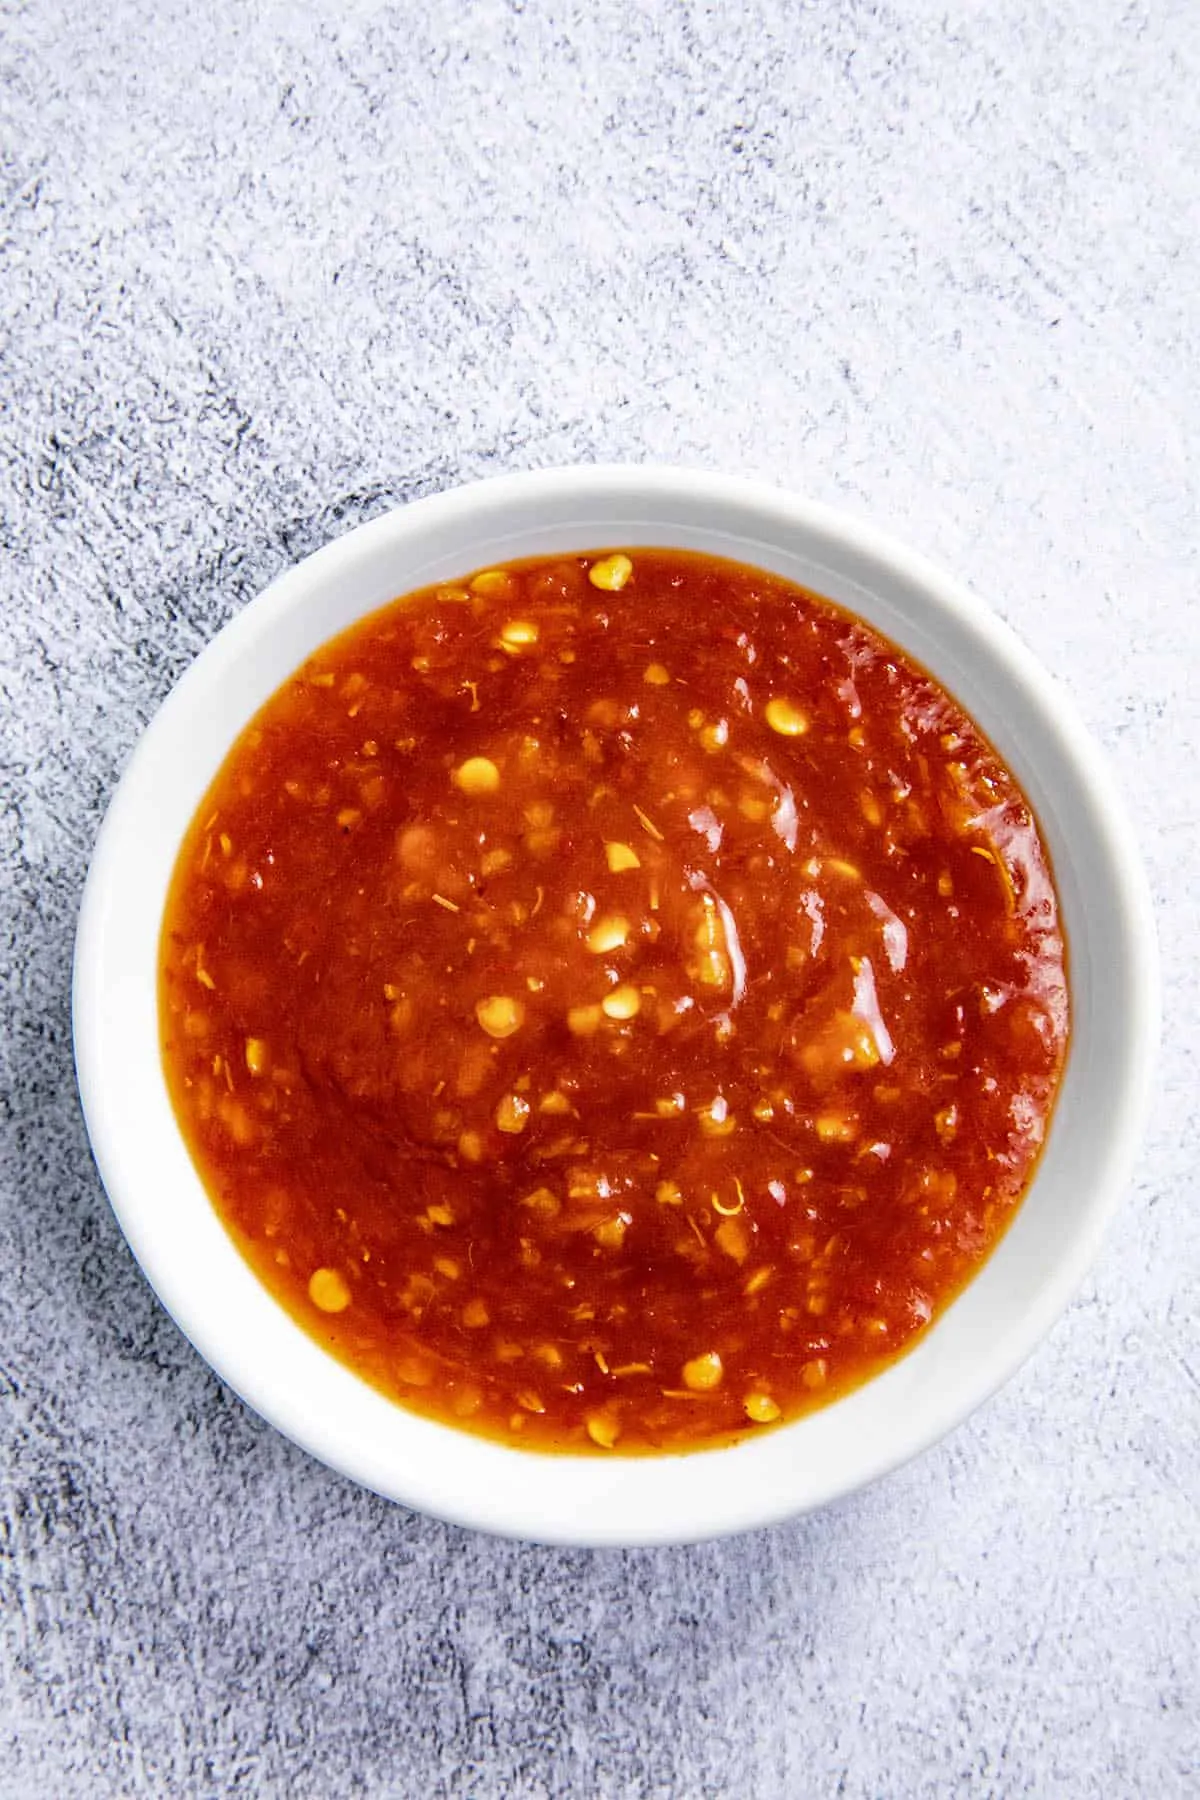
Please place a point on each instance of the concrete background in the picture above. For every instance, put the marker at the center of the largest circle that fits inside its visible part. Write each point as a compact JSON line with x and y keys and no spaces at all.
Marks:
{"x":270,"y":268}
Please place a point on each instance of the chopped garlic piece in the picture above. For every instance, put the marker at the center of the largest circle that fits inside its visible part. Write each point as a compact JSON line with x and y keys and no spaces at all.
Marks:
{"x":492,"y":584}
{"x":623,"y":1003}
{"x":611,"y":573}
{"x":608,"y":933}
{"x":328,"y":1290}
{"x":785,"y":717}
{"x":761,"y":1409}
{"x":844,"y":1043}
{"x":512,"y":1114}
{"x":611,"y":1234}
{"x":603,"y":1429}
{"x":544,"y":1201}
{"x":621,"y":856}
{"x":478,"y":775}
{"x":836,"y":1128}
{"x":703,"y":1373}
{"x":732,"y":1237}
{"x":499,"y":1015}
{"x":710,"y":965}
{"x":519,"y":634}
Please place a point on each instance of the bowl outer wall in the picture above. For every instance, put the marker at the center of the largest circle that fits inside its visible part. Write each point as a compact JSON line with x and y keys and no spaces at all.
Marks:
{"x":974,"y":1346}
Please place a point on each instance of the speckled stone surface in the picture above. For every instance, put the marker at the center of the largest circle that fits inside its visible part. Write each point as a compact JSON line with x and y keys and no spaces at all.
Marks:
{"x":270,"y":268}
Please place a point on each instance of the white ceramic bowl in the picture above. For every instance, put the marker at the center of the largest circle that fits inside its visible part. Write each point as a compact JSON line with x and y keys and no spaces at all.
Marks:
{"x":978,"y":1342}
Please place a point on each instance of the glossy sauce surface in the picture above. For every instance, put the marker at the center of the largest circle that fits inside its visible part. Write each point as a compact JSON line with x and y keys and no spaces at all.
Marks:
{"x":614,"y":1002}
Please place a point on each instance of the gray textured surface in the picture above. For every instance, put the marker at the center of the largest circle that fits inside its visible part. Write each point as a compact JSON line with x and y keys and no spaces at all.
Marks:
{"x":268,"y":268}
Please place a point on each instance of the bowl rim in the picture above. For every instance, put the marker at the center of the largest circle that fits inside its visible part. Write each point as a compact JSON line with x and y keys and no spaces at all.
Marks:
{"x":97,"y":986}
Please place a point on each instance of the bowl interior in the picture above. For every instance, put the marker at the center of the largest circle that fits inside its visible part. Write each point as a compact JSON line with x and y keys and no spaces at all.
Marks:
{"x":246,"y":1336}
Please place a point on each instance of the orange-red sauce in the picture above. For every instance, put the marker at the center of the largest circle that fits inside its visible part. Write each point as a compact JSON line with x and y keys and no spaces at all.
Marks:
{"x":613,"y":1002}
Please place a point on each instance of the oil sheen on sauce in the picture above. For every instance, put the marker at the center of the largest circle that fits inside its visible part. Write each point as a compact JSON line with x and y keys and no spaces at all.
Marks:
{"x":614,"y":1002}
